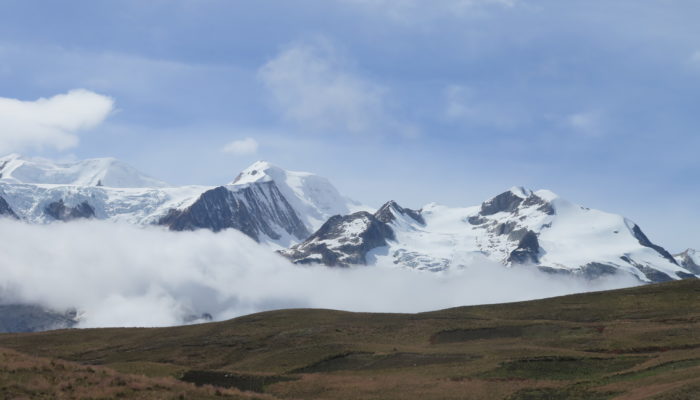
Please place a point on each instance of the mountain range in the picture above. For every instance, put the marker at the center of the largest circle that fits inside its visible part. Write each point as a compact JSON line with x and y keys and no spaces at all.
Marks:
{"x":304,"y":218}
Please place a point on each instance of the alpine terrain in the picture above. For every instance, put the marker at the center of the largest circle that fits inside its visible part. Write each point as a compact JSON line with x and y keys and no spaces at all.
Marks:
{"x":307,"y":220}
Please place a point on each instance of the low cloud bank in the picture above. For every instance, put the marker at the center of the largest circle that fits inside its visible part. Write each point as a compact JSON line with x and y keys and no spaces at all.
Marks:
{"x":121,"y":275}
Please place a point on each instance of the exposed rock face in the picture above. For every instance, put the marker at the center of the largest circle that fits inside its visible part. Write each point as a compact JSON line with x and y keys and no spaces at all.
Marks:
{"x":542,"y":205}
{"x":590,"y":271}
{"x":346,"y":240}
{"x":504,"y":202}
{"x":644,"y":241}
{"x":652,"y":274}
{"x":342,"y":241}
{"x":507,"y":228}
{"x":511,"y":202}
{"x":390,"y":210}
{"x":687,"y":260}
{"x":596,"y":270}
{"x":511,"y":227}
{"x":527,"y":251}
{"x":266,"y":202}
{"x":6,"y":210}
{"x":510,"y":224}
{"x":31,"y":318}
{"x":256,"y":210}
{"x":59,"y":211}
{"x":3,"y":164}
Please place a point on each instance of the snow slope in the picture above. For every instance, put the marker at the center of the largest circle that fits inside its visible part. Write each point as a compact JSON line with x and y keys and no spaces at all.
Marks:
{"x":516,"y":227}
{"x":93,"y":172}
{"x":139,"y":206}
{"x":313,"y":197}
{"x":690,"y":260}
{"x":305,"y":212}
{"x":267,"y":203}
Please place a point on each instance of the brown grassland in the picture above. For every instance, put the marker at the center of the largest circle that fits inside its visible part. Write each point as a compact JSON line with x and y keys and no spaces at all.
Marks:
{"x":639,"y":343}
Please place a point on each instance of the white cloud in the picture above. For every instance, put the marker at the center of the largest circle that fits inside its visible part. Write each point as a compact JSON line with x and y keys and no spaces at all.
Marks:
{"x":314,"y":86}
{"x":50,"y":122}
{"x":242,"y":147}
{"x":122,"y":275}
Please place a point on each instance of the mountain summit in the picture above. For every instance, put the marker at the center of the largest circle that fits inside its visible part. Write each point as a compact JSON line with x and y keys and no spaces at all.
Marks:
{"x":305,"y":217}
{"x":109,"y":172}
{"x":518,"y":227}
{"x":267,"y":203}
{"x":313,"y":197}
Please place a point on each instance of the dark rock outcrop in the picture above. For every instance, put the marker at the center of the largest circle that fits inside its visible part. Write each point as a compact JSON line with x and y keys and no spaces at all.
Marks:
{"x":686,"y":261}
{"x":511,"y":202}
{"x":652,"y":274}
{"x":590,"y":271}
{"x":505,"y":228}
{"x":542,"y":204}
{"x":346,"y":240}
{"x":685,"y":275}
{"x":527,"y":251}
{"x":595,"y":270}
{"x":477,"y":220}
{"x":504,"y":202}
{"x":6,"y":210}
{"x":255,"y":210}
{"x":644,"y":241}
{"x":60,"y":212}
{"x":342,"y":241}
{"x":2,"y":167}
{"x":387,"y":213}
{"x":15,"y":318}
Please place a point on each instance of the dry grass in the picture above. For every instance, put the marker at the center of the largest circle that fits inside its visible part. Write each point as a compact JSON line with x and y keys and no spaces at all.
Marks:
{"x":28,"y":377}
{"x":634,"y":343}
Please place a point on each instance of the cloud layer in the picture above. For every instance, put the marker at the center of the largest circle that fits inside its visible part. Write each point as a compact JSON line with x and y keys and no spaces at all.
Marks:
{"x":314,"y":86}
{"x":50,"y":122}
{"x":121,"y":275}
{"x":241,"y":147}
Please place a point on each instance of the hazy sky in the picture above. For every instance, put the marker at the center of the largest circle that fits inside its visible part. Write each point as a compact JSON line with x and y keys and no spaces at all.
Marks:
{"x":450,"y":101}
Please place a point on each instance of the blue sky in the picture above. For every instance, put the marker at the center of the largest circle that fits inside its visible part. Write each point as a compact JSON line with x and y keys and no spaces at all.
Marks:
{"x":450,"y":101}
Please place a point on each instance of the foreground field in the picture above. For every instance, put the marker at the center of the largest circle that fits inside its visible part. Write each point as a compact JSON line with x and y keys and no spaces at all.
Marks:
{"x":640,"y":343}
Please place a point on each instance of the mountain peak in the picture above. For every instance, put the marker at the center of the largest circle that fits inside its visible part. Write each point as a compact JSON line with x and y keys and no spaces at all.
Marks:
{"x":108,"y":171}
{"x":313,"y":197}
{"x":521,"y":192}
{"x":391,"y":210}
{"x":259,"y":171}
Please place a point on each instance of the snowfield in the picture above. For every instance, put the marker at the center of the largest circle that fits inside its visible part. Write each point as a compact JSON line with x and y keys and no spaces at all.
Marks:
{"x":292,"y":210}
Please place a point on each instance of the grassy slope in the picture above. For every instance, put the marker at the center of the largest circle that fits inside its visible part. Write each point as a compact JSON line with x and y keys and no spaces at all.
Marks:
{"x":635,"y":343}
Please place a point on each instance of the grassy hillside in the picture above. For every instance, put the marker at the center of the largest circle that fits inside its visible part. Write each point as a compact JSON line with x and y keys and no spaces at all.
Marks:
{"x":627,"y":344}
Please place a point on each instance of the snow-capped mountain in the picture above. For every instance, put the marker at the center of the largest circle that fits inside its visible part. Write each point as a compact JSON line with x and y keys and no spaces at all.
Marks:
{"x":313,"y":197}
{"x":43,"y":203}
{"x":267,"y":203}
{"x":39,"y":191}
{"x":93,"y":172}
{"x":514,"y":228}
{"x":311,"y":222}
{"x":690,"y":260}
